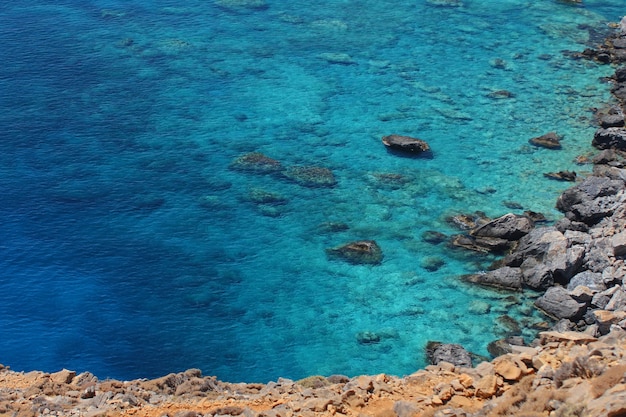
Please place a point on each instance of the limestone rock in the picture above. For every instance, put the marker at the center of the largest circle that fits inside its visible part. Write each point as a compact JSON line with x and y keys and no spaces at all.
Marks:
{"x":507,"y":369}
{"x":487,"y":386}
{"x":359,"y":252}
{"x":406,"y":144}
{"x":605,"y":319}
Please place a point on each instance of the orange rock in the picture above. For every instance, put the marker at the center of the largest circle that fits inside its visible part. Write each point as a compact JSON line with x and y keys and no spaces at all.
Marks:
{"x":487,"y":386}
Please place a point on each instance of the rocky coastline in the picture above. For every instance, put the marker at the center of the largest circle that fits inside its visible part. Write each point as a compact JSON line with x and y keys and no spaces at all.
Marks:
{"x":576,"y":368}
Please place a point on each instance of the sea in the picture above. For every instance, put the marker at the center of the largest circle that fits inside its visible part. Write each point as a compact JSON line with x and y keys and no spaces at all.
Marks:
{"x":133,"y":244}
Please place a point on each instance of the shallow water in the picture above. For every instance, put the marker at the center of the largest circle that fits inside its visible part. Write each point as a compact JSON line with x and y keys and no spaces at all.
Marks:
{"x":131,"y":248}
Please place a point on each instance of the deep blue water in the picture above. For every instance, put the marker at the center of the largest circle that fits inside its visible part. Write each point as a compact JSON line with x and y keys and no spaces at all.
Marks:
{"x":131,"y":248}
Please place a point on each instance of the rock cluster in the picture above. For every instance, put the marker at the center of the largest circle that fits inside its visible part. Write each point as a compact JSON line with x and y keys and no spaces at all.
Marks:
{"x":560,"y":373}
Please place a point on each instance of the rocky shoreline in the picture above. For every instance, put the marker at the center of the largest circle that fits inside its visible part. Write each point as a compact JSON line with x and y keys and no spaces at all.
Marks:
{"x":578,"y":368}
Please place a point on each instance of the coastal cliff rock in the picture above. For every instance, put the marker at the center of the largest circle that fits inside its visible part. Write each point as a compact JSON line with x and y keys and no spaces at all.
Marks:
{"x":586,"y":374}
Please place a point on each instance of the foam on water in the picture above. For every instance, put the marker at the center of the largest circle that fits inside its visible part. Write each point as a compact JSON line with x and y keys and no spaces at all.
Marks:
{"x":131,"y":248}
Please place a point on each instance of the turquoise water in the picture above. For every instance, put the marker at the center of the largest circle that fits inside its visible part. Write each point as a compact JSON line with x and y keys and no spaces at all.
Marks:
{"x":131,"y":247}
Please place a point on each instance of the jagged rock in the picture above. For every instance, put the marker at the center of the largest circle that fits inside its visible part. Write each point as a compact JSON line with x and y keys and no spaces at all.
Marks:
{"x":591,"y":200}
{"x":467,"y":221}
{"x":406,"y":144}
{"x":448,"y":352}
{"x":610,"y":138}
{"x":618,"y":242}
{"x":360,"y":252}
{"x":311,"y":176}
{"x":487,"y":386}
{"x":561,"y":175}
{"x":589,"y":279}
{"x":556,"y":302}
{"x":506,"y":278}
{"x":536,"y":275}
{"x":612,"y":120}
{"x":509,"y":227}
{"x":605,"y":319}
{"x":550,"y":141}
{"x":256,"y":162}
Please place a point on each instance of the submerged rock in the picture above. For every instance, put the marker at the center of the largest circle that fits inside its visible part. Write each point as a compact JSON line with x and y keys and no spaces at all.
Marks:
{"x":550,"y":141}
{"x":406,"y":144}
{"x":359,"y":252}
{"x":256,"y":162}
{"x":311,"y":176}
{"x":561,"y":175}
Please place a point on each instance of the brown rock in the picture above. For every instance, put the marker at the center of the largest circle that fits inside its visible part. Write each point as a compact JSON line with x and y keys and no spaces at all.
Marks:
{"x":508,"y":369}
{"x":549,"y":140}
{"x":359,"y":252}
{"x":63,"y":377}
{"x":487,"y":386}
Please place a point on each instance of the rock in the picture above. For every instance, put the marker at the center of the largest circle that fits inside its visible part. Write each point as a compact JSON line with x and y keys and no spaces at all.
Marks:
{"x":610,"y":138}
{"x":612,"y":120}
{"x":241,"y":5}
{"x":406,"y":144}
{"x":63,"y":377}
{"x":256,"y":162}
{"x":433,"y":237}
{"x":591,"y":280}
{"x":467,"y":221}
{"x":506,"y":278}
{"x":550,"y":141}
{"x":617,"y":301}
{"x":261,"y":196}
{"x":447,"y":352}
{"x":556,"y":302}
{"x":561,"y":175}
{"x":499,"y":347}
{"x":536,"y":275}
{"x":486,"y":387}
{"x":591,"y":200}
{"x":367,"y":338}
{"x":432,"y":263}
{"x":337,"y":58}
{"x":567,"y":336}
{"x":509,"y":227}
{"x":507,"y":369}
{"x":359,"y":252}
{"x":604,"y":319}
{"x":618,"y":243}
{"x":311,"y":176}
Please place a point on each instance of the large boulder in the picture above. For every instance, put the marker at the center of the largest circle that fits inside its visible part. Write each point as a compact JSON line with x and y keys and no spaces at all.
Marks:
{"x":591,"y":200}
{"x":509,"y":227}
{"x":506,"y":278}
{"x":359,"y":252}
{"x":589,"y":279}
{"x":448,"y":352}
{"x":610,"y":138}
{"x":557,"y":303}
{"x":406,"y":144}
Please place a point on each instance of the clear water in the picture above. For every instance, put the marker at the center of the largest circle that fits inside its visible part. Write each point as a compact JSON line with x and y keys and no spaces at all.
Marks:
{"x":131,"y":249}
